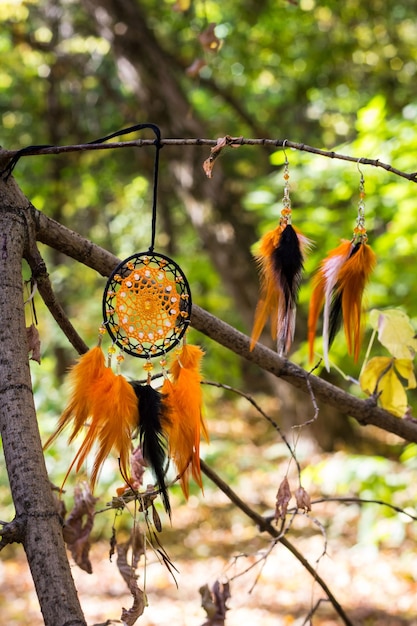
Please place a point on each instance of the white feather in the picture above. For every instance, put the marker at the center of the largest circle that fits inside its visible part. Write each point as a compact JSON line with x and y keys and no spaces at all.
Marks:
{"x":331,"y":269}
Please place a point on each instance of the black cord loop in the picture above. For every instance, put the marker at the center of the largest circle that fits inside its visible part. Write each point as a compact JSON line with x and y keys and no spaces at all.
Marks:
{"x":31,"y":150}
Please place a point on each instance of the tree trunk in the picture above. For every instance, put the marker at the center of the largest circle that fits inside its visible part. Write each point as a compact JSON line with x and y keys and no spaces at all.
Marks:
{"x":37,"y":524}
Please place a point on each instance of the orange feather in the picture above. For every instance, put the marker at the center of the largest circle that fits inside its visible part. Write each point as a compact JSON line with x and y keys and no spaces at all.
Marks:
{"x":267,"y":306}
{"x":352,"y":280}
{"x":109,"y":403}
{"x":183,"y":398}
{"x":339,"y":286}
{"x":89,"y":367}
{"x":323,"y":284}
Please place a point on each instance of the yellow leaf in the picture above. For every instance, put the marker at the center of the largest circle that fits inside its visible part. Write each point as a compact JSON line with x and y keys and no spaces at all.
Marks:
{"x":393,"y":397}
{"x":379,"y":376}
{"x":395,"y":332}
{"x":372,"y":373}
{"x":405,"y":369}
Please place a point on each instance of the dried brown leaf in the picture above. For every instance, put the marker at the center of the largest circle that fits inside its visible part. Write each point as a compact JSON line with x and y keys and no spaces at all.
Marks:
{"x":181,"y":6}
{"x":283,"y":498}
{"x":128,"y":573}
{"x":222,"y":142}
{"x":208,"y":39}
{"x":214,"y":602}
{"x":34,"y":343}
{"x":195,"y":67}
{"x":78,"y":526}
{"x":156,"y":519}
{"x":137,"y":468}
{"x":302,"y":499}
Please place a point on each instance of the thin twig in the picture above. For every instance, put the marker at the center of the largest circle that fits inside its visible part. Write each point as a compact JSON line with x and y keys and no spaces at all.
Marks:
{"x":260,"y":410}
{"x":41,"y":276}
{"x":241,"y":141}
{"x":313,"y":402}
{"x":266,"y":526}
{"x":313,"y":610}
{"x":354,"y":500}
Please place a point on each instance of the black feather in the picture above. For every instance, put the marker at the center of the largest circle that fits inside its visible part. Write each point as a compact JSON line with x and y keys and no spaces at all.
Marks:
{"x":336,"y":312}
{"x":151,"y":434}
{"x":287,"y":261}
{"x":287,"y":264}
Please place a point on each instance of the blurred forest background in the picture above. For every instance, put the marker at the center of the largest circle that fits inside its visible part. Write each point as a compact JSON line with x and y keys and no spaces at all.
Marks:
{"x":335,"y":75}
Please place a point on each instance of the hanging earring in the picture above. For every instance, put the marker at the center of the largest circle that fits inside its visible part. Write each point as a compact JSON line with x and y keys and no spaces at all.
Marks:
{"x":280,"y":259}
{"x":338,"y":286}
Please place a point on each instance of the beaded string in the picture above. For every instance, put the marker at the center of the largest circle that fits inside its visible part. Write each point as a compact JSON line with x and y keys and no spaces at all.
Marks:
{"x":286,"y":200}
{"x":359,"y":232}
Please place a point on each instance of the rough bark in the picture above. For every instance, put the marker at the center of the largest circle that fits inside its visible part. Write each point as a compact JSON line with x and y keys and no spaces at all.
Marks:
{"x":37,"y":524}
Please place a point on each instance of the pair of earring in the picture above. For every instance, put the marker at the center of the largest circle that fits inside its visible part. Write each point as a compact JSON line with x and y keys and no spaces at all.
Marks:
{"x":338,"y":284}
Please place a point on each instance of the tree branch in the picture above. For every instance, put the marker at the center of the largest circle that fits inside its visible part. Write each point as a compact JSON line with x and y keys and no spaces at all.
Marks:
{"x":12,"y":532}
{"x":41,"y":276}
{"x":365,"y":411}
{"x":266,"y":526}
{"x":236,"y":141}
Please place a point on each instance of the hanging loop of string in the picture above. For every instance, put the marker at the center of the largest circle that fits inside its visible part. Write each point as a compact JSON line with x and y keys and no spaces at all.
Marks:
{"x":158,"y":147}
{"x":6,"y":173}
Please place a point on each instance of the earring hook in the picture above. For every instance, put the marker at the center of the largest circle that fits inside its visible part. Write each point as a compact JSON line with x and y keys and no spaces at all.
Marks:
{"x":285,"y":153}
{"x":360,"y":171}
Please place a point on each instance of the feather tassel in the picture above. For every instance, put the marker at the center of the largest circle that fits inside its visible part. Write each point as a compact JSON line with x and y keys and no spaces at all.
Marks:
{"x":280,"y":260}
{"x":184,"y":400}
{"x":108,"y":403}
{"x":153,"y":424}
{"x":338,"y":289}
{"x":88,"y":369}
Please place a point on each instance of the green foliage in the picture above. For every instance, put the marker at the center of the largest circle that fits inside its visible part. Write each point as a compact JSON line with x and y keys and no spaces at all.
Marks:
{"x":371,"y":478}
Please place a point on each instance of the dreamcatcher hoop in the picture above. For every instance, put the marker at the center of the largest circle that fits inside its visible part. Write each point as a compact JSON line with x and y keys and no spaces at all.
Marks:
{"x":147,"y":305}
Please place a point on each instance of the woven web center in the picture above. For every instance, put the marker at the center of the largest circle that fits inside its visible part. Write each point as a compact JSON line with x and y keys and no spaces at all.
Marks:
{"x":147,"y":304}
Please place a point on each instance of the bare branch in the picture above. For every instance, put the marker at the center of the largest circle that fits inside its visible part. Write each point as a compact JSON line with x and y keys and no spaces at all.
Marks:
{"x":361,"y":501}
{"x":12,"y":532}
{"x":241,"y":141}
{"x":266,"y":526}
{"x":260,"y":410}
{"x":41,"y":276}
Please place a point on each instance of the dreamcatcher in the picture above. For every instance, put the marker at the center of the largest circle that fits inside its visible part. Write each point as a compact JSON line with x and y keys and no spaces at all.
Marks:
{"x":146,"y":312}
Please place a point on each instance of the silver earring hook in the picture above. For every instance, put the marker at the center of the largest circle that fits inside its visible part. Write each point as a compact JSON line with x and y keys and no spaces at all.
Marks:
{"x":360,"y":171}
{"x":283,"y":148}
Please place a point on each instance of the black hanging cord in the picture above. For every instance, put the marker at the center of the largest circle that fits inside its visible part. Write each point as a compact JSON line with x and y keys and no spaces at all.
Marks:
{"x":30,"y":150}
{"x":158,"y":147}
{"x":6,"y":173}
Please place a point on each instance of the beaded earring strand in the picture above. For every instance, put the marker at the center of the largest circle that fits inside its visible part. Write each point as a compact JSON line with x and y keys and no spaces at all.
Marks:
{"x":280,"y":259}
{"x":338,"y":287}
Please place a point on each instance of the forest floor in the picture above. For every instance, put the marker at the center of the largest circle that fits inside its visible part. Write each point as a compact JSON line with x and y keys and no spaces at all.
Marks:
{"x":365,"y":553}
{"x":376,"y":587}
